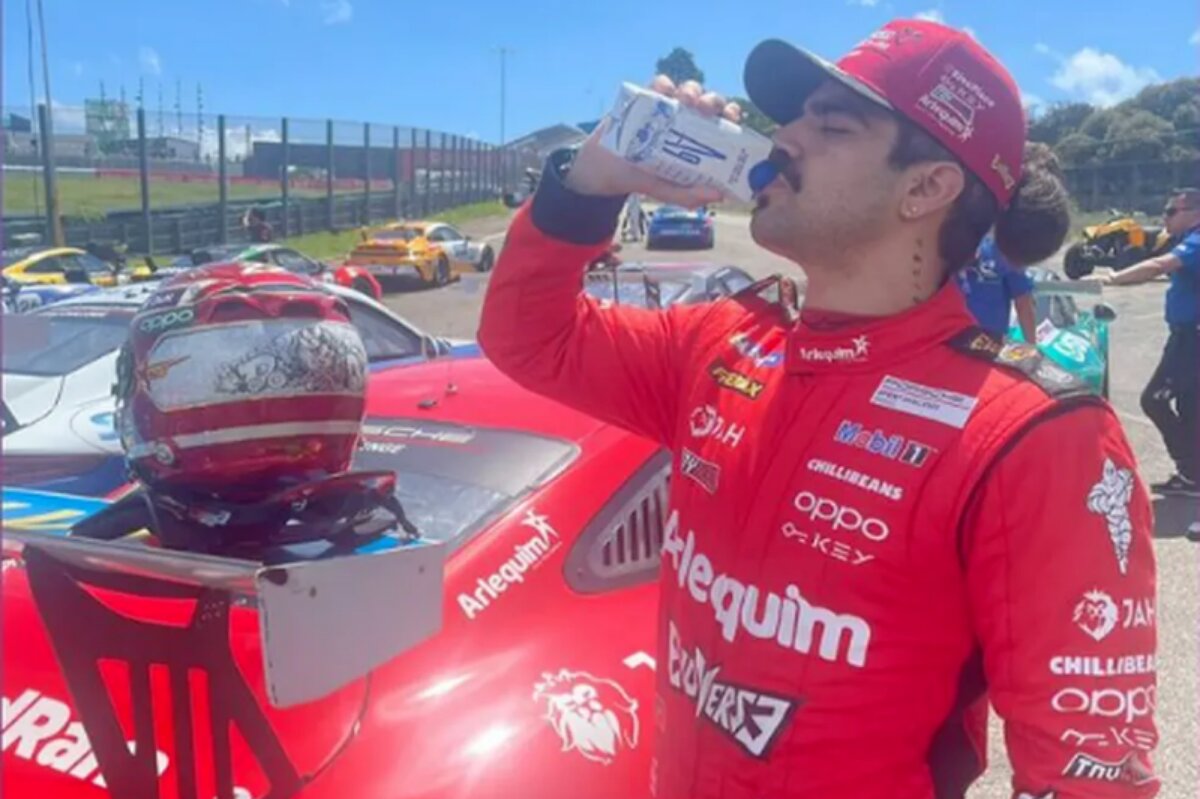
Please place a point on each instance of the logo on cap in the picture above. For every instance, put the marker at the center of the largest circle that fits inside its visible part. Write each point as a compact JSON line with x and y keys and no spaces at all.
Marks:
{"x":1001,"y":168}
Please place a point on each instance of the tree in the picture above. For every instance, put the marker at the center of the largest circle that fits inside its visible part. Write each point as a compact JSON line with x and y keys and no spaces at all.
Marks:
{"x":1078,"y":149}
{"x":1140,"y":136}
{"x":1058,"y":121}
{"x":680,"y":65}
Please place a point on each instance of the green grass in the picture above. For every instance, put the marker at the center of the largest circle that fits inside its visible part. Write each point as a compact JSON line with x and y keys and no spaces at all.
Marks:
{"x":87,"y":196}
{"x":326,"y":245}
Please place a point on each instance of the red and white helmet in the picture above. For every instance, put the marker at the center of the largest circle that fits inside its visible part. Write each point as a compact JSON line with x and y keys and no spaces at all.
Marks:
{"x":239,"y":381}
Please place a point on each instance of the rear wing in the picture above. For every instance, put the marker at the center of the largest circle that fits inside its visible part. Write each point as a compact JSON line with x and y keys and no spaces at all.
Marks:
{"x":319,"y":617}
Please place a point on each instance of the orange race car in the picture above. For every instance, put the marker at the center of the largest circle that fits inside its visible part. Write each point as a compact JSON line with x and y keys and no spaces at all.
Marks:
{"x":433,"y":251}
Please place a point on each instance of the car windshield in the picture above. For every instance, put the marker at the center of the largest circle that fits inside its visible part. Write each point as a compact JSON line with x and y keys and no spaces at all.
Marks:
{"x":398,"y":234}
{"x":631,"y":289}
{"x":210,"y":255}
{"x":452,"y":479}
{"x":58,"y":343}
{"x":20,"y":254}
{"x":675,"y":212}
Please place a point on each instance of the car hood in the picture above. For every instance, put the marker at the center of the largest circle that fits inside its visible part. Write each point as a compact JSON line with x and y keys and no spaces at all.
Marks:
{"x":30,"y":398}
{"x":485,"y":708}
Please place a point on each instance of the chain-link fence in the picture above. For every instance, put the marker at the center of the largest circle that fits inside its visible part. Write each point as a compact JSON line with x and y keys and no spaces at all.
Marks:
{"x":161,"y":181}
{"x":1131,"y":186}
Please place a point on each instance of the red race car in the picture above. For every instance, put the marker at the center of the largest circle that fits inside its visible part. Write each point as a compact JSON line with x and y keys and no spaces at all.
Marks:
{"x":169,"y":674}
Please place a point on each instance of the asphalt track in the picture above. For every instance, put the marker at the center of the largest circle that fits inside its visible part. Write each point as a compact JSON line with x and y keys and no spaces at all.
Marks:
{"x":1138,"y":335}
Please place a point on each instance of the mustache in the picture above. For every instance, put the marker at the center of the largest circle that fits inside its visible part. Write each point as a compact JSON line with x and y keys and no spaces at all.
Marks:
{"x":786,"y":165}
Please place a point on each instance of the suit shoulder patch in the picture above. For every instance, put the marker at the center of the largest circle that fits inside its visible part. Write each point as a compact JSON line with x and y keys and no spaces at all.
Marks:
{"x":1024,"y":358}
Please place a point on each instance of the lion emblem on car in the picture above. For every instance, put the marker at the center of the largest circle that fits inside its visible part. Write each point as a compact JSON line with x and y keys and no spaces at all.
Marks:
{"x":591,"y":715}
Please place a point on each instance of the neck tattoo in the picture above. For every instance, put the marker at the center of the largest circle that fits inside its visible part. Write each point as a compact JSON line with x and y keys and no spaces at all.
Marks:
{"x":918,"y":261}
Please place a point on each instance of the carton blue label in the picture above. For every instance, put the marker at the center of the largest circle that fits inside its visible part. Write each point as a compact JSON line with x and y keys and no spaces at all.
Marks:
{"x":689,"y":150}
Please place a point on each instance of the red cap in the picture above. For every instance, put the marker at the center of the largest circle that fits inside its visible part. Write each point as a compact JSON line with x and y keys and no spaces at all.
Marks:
{"x":938,"y":77}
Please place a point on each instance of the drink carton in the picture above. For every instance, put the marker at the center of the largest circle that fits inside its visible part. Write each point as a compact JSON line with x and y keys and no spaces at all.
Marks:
{"x":680,"y":145}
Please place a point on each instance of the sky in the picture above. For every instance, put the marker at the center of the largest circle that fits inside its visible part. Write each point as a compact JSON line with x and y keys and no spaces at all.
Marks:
{"x":437,"y":64}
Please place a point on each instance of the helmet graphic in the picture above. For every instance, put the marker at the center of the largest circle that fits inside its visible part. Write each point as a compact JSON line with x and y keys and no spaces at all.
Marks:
{"x":237,"y":382}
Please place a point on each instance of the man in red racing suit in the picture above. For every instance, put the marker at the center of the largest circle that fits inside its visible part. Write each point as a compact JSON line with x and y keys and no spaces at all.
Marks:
{"x":877,"y":524}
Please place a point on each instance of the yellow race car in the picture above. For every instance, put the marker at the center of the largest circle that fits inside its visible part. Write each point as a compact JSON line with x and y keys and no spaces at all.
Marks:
{"x":57,"y":266}
{"x":432,"y":251}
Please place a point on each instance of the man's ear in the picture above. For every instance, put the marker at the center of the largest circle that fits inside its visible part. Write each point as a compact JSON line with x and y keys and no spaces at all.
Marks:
{"x":932,"y":187}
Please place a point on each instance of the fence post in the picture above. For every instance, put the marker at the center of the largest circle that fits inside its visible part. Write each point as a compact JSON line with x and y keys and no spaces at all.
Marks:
{"x":478,"y":170}
{"x":456,"y":173}
{"x":285,"y":181}
{"x":466,"y":170}
{"x":471,"y":172}
{"x":396,"y":171}
{"x":494,"y":170}
{"x":412,"y":171}
{"x":366,"y":173}
{"x":144,"y":180}
{"x":443,"y":163}
{"x":54,"y":231}
{"x":222,"y":180}
{"x":329,"y":174}
{"x":427,"y":202}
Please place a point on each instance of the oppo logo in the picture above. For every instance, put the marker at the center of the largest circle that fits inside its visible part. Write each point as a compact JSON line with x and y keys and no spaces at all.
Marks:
{"x":1111,"y":703}
{"x":842,"y":517}
{"x":164,"y":321}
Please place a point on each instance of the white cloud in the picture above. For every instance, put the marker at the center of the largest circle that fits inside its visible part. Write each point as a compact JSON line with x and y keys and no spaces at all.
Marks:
{"x":1043,"y":49}
{"x":1195,"y":37}
{"x":67,"y":119}
{"x":1100,"y":78}
{"x":864,"y":3}
{"x":148,"y":58}
{"x":1031,"y":101}
{"x":336,"y":11}
{"x":932,"y":15}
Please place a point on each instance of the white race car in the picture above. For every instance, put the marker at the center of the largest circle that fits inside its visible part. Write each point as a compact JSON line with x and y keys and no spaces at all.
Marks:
{"x":59,"y":366}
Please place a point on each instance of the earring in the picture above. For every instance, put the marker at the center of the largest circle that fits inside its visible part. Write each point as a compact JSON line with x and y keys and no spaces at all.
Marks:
{"x":910,"y":212}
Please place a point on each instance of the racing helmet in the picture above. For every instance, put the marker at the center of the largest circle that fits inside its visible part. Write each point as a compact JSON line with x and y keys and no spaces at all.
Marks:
{"x":237,"y":382}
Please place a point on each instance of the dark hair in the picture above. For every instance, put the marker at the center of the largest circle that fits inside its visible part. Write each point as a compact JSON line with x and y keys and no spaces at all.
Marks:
{"x":1032,"y":228}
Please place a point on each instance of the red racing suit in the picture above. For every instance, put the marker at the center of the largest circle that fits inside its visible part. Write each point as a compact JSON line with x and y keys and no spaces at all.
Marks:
{"x":873,"y":531}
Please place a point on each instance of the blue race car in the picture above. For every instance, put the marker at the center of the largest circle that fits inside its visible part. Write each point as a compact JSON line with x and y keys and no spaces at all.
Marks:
{"x":21,"y":297}
{"x":673,"y":226}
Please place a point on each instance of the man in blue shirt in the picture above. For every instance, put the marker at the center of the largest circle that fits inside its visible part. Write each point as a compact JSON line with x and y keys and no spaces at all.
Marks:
{"x":1172,"y":397}
{"x":992,"y":286}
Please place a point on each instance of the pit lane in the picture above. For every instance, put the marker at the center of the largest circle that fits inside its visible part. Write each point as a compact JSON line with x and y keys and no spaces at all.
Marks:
{"x":1137,"y":338}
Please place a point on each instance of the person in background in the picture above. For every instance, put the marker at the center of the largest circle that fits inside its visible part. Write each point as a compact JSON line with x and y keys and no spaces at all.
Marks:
{"x":1172,"y":397}
{"x":993,"y":285}
{"x":255,"y":223}
{"x":634,"y":227}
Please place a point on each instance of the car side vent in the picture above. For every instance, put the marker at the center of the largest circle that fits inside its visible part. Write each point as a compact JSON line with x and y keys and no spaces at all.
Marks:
{"x":622,"y":545}
{"x":638,"y":537}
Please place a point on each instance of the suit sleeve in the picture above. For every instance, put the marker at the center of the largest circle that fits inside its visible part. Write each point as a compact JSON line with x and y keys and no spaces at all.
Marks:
{"x":1061,"y":576}
{"x":622,"y":364}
